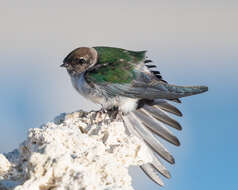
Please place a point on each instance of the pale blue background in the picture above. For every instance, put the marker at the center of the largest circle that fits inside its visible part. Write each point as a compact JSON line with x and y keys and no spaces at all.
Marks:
{"x":193,"y":42}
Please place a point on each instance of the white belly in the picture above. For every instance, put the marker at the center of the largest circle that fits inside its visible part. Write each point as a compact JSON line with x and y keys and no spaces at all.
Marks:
{"x":125,"y":104}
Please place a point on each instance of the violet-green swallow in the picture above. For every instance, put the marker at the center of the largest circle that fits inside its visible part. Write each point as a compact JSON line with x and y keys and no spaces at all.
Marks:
{"x":126,"y":81}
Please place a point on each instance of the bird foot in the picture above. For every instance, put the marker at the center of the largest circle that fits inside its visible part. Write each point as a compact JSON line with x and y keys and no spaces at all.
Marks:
{"x":114,"y":114}
{"x":101,"y":112}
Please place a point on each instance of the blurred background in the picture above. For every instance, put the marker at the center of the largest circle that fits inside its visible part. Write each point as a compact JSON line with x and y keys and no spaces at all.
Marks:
{"x":192,"y":42}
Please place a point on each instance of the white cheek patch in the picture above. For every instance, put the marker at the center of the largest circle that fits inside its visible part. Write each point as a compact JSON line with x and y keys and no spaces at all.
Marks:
{"x":94,"y":55}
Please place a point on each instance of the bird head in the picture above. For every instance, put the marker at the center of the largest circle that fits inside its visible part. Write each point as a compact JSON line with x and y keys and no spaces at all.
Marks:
{"x":80,"y":60}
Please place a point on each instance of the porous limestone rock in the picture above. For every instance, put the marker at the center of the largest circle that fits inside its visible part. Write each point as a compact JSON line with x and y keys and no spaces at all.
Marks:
{"x":77,"y":151}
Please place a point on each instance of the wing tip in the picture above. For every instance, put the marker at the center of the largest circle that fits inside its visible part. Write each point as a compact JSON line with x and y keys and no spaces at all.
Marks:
{"x":166,"y":174}
{"x":172,"y":161}
{"x":177,"y":142}
{"x":149,"y":170}
{"x":204,"y":88}
{"x":178,"y":126}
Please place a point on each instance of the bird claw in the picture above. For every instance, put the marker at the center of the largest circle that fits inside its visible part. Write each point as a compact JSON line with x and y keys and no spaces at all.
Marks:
{"x":113,"y":114}
{"x":101,"y":112}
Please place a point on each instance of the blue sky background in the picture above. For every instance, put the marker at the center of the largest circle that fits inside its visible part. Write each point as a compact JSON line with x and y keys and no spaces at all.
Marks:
{"x":192,"y":42}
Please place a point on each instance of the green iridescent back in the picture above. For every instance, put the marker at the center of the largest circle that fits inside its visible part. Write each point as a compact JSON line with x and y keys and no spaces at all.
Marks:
{"x":117,"y":65}
{"x":110,"y":55}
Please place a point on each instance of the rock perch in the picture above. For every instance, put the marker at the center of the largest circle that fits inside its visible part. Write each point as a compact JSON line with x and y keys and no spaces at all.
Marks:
{"x":75,"y":151}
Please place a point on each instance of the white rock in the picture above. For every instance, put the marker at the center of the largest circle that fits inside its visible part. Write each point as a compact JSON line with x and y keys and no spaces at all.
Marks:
{"x":77,"y":151}
{"x":4,"y":165}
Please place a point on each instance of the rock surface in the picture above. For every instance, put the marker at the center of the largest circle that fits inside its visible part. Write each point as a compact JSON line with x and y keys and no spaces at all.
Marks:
{"x":77,"y":151}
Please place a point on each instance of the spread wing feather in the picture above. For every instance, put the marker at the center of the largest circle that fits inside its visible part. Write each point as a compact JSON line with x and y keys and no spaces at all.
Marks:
{"x":152,"y":173}
{"x":150,"y":139}
{"x":164,"y":105}
{"x":156,"y":126}
{"x":143,"y":124}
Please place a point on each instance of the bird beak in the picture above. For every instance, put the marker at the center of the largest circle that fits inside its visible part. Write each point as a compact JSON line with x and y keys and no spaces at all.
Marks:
{"x":64,"y":65}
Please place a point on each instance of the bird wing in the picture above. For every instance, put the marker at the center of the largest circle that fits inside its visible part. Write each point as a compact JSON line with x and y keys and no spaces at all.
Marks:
{"x":134,"y":80}
{"x":149,"y":122}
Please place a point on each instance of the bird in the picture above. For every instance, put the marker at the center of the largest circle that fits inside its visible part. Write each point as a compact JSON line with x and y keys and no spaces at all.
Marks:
{"x":126,"y":83}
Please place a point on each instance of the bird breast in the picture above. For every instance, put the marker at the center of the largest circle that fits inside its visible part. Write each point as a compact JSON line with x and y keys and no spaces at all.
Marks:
{"x":98,"y":96}
{"x":81,"y":85}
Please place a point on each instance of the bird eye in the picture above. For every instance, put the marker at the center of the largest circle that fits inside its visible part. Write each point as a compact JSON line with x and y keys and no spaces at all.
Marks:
{"x":81,"y":60}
